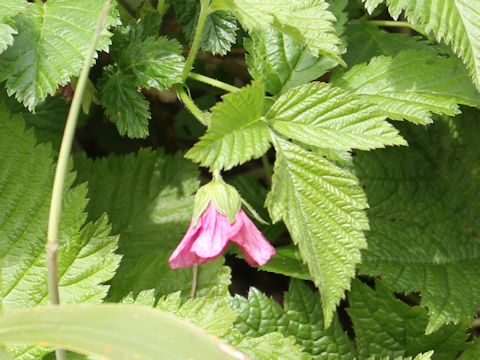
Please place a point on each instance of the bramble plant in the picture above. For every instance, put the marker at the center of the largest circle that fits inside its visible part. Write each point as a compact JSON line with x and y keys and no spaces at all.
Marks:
{"x":333,"y":141}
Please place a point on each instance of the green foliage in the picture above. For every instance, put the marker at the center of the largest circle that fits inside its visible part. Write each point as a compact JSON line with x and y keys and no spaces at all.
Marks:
{"x":472,"y":351}
{"x":140,"y":332}
{"x":86,"y":258}
{"x":307,"y":21}
{"x":386,"y":326}
{"x":220,"y":28}
{"x":49,"y":48}
{"x":272,"y":346}
{"x":8,"y":9}
{"x":457,"y":22}
{"x":148,"y":198}
{"x":439,"y":230}
{"x":326,"y":117}
{"x":236,"y":133}
{"x":322,"y":206}
{"x":407,"y":86}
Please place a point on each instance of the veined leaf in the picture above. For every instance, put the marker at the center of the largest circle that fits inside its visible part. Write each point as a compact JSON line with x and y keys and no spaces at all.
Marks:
{"x":472,"y":350}
{"x":219,"y":31}
{"x":457,"y":22}
{"x":430,"y":244}
{"x":8,"y":9}
{"x":85,"y":258}
{"x":408,"y":86}
{"x":138,"y":332}
{"x":52,"y":41}
{"x":387,"y":327}
{"x":237,"y":132}
{"x":328,"y":117}
{"x":307,"y":21}
{"x":272,"y":346}
{"x":149,"y":199}
{"x":425,"y":356}
{"x":322,"y":206}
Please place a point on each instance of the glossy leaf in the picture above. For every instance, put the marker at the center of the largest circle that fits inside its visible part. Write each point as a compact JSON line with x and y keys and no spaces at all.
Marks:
{"x":8,"y":9}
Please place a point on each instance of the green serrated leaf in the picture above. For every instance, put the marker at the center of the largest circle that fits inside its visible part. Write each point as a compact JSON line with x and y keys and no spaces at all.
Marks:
{"x":456,"y":22}
{"x":385,"y":326}
{"x":85,"y":257}
{"x":8,"y":9}
{"x":408,"y":86}
{"x":237,"y":132}
{"x":439,"y":229}
{"x":124,"y":104}
{"x":327,"y":117}
{"x":51,"y":45}
{"x":322,"y":206}
{"x":307,"y":21}
{"x":219,"y":31}
{"x":472,"y":350}
{"x":149,"y":199}
{"x":287,"y":261}
{"x":425,"y":356}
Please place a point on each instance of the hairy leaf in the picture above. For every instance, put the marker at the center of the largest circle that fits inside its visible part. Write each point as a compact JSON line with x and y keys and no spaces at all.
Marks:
{"x":219,"y":31}
{"x":328,"y":117}
{"x":424,"y":217}
{"x":322,"y":206}
{"x":307,"y":21}
{"x":408,"y":86}
{"x":236,"y":133}
{"x":8,"y":9}
{"x":149,"y":199}
{"x":457,"y":22}
{"x":385,"y":326}
{"x":51,"y":45}
{"x":85,"y":256}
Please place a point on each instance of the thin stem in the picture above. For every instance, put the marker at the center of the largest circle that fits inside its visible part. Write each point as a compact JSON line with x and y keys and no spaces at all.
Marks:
{"x":162,"y":7}
{"x":202,"y":17}
{"x":390,"y":23}
{"x":194,"y":280}
{"x":61,"y":171}
{"x":190,"y":105}
{"x":214,"y":82}
{"x":267,"y":167}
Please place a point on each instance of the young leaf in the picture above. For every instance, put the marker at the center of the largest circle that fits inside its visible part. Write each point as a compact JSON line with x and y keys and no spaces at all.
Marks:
{"x":385,"y":326}
{"x":457,"y":22}
{"x":322,"y":206}
{"x":237,"y":132}
{"x":85,"y":257}
{"x":149,"y":199}
{"x":8,"y":9}
{"x":408,"y":86}
{"x":307,"y":21}
{"x":219,"y":31}
{"x":138,"y":333}
{"x":272,"y":346}
{"x":328,"y":117}
{"x":52,"y":41}
{"x":430,"y":244}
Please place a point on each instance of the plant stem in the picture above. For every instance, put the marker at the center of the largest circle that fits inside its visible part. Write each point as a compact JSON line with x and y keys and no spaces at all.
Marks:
{"x":267,"y":167}
{"x":214,"y":82}
{"x":61,"y":171}
{"x":190,"y":105}
{"x":389,"y":23}
{"x":202,"y":17}
{"x":194,"y":280}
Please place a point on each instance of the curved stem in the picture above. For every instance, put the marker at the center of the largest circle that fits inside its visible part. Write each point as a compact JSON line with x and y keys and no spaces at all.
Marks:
{"x":214,"y":82}
{"x":61,"y":171}
{"x":190,"y":105}
{"x":202,"y":17}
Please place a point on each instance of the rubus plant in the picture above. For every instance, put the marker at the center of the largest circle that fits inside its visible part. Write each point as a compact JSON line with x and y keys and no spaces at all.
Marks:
{"x":273,"y":124}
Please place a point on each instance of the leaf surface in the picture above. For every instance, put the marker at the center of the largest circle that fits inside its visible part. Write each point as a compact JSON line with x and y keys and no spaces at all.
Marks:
{"x":8,"y":9}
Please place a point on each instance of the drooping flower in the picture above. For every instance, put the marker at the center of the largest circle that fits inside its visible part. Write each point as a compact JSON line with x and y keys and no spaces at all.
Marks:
{"x":210,"y":233}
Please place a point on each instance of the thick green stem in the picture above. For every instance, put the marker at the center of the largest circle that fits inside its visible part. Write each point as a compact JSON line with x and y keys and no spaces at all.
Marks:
{"x":190,"y":105}
{"x":61,"y":171}
{"x":202,"y":17}
{"x":214,"y":82}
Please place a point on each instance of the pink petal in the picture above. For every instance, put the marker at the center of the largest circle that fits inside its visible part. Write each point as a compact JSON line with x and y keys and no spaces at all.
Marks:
{"x":256,"y":249}
{"x":182,"y":256}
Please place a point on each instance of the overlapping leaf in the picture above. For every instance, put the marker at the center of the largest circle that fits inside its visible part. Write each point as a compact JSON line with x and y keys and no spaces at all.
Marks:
{"x":8,"y":9}
{"x":236,"y":133}
{"x":328,"y":117}
{"x":86,"y":257}
{"x":51,"y":45}
{"x":408,"y":86}
{"x":272,"y":346}
{"x":307,"y":21}
{"x":386,"y":326}
{"x":322,"y":206}
{"x":457,"y":22}
{"x":149,"y":200}
{"x":424,"y":217}
{"x":219,"y":31}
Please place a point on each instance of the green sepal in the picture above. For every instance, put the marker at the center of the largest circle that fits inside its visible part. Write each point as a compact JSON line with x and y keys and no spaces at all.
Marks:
{"x":225,"y":198}
{"x":251,"y":211}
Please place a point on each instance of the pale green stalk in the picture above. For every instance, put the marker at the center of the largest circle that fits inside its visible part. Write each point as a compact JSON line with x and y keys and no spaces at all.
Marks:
{"x":61,"y":171}
{"x":214,"y":82}
{"x":190,"y":105}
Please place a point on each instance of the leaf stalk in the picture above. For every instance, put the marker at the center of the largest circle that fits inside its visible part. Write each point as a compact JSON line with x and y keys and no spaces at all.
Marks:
{"x":214,"y":82}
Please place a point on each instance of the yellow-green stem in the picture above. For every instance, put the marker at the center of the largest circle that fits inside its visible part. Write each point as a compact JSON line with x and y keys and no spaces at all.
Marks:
{"x":190,"y":105}
{"x":214,"y":82}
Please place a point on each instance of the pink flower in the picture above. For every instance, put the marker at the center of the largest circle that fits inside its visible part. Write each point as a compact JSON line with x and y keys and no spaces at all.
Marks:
{"x":212,"y":234}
